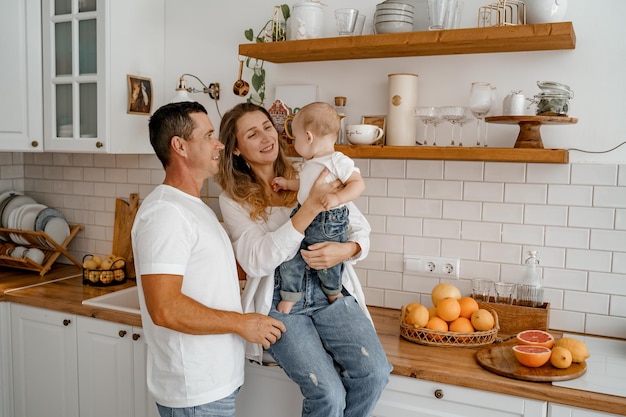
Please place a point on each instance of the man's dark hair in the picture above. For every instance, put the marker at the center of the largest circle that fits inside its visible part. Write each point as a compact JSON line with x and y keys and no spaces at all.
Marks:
{"x":171,"y":120}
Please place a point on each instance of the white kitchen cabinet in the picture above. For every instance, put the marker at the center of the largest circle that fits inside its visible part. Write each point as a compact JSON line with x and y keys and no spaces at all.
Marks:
{"x":410,"y":397}
{"x":559,"y":410}
{"x":268,"y":392}
{"x":45,"y":373}
{"x":112,"y":370}
{"x":89,"y":49}
{"x":21,"y":103}
{"x":6,"y":373}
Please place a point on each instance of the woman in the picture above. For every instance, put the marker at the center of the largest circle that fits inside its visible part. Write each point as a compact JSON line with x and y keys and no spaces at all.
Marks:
{"x":330,"y":350}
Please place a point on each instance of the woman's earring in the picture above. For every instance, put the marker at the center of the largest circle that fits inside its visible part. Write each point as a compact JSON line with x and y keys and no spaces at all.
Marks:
{"x":236,"y":152}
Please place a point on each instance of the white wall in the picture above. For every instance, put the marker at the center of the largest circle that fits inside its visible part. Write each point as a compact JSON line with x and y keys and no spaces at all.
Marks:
{"x":202,"y":38}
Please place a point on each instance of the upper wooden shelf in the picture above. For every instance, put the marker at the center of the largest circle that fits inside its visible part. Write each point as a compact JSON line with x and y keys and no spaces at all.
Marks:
{"x":453,"y":153}
{"x":539,"y":37}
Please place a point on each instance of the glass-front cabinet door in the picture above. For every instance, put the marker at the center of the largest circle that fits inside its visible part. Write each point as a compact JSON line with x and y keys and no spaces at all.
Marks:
{"x":73,"y":74}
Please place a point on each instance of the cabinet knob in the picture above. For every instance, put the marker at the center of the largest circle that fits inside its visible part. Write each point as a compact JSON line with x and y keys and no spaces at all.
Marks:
{"x":99,"y":144}
{"x":34,"y":144}
{"x":122,"y":333}
{"x":136,"y":336}
{"x":439,"y":394}
{"x":66,"y":322}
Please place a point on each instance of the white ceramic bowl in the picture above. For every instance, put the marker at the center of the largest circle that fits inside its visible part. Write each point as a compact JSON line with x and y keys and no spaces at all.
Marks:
{"x":395,"y":5}
{"x":35,"y":254}
{"x":394,"y":11}
{"x":392,"y":18}
{"x":393,"y":27}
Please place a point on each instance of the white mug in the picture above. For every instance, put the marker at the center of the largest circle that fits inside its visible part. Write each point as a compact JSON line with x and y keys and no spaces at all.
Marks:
{"x":363,"y":134}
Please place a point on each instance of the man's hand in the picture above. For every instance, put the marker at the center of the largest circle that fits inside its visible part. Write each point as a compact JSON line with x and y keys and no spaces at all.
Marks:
{"x":262,"y":329}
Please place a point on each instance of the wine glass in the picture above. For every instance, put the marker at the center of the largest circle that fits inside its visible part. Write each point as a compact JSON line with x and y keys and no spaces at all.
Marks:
{"x":480,"y":104}
{"x":426,"y":115}
{"x":467,"y":117}
{"x":452,"y":114}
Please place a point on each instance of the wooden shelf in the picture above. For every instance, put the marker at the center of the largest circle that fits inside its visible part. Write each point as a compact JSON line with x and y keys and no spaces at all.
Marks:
{"x":453,"y":153}
{"x":539,"y":37}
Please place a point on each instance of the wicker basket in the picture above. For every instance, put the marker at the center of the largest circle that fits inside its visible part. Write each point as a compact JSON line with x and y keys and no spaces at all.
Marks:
{"x":105,"y":278}
{"x":424,"y":336}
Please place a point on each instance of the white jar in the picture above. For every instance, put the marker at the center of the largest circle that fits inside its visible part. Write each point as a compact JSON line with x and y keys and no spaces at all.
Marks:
{"x":545,"y":11}
{"x":306,"y":21}
{"x":401,"y":123}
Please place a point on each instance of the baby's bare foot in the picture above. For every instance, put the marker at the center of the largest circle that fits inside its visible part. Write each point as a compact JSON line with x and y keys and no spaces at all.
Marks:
{"x":285,"y":306}
{"x":332,"y":298}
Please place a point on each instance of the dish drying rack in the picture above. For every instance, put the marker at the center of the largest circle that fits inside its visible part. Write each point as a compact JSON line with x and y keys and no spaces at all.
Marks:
{"x":52,"y":250}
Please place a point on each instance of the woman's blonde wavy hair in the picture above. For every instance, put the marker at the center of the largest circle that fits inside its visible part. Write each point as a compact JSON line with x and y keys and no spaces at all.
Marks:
{"x":235,"y":176}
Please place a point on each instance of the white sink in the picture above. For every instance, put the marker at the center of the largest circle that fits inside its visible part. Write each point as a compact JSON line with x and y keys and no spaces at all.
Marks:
{"x":125,"y":300}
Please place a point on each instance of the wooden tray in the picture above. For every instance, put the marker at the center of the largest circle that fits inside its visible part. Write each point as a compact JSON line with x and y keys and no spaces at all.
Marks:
{"x":501,"y":361}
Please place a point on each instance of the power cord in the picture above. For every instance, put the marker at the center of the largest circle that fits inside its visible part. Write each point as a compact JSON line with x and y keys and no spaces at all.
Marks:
{"x":610,"y":150}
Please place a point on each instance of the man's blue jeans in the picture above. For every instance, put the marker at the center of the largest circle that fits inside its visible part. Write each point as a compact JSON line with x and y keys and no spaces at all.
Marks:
{"x":332,"y":352}
{"x":220,"y":408}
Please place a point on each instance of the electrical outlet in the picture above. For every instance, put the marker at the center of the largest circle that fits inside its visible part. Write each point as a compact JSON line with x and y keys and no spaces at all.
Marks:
{"x":432,"y":266}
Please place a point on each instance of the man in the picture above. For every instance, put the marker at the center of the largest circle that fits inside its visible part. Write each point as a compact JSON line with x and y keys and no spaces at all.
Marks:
{"x":187,"y":276}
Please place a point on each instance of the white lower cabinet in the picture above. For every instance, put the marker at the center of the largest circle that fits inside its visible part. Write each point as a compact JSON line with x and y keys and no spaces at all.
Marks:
{"x":268,"y":392}
{"x":45,"y":369}
{"x":559,"y":410}
{"x":410,"y":397}
{"x":6,"y":374}
{"x":112,"y":370}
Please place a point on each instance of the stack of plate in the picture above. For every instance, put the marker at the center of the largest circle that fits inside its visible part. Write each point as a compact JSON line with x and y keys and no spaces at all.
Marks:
{"x":21,"y":212}
{"x":393,"y":16}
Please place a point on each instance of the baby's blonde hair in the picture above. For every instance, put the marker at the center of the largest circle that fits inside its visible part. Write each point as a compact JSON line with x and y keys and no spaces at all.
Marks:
{"x":319,"y":117}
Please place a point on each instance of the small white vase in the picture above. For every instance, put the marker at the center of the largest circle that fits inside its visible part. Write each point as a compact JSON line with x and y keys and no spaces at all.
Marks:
{"x":545,"y":11}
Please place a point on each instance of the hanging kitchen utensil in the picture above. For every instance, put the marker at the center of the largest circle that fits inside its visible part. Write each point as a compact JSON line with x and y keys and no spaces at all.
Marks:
{"x":241,"y":87}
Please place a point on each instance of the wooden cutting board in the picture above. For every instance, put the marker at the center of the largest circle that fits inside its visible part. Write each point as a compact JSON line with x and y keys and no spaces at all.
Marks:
{"x":500,"y":360}
{"x":124,"y":217}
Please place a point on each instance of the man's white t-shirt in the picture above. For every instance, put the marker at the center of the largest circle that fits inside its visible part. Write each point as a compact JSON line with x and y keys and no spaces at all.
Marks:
{"x":176,"y":233}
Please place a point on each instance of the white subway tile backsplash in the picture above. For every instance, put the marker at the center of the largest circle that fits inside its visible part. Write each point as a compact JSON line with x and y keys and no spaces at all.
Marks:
{"x":525,"y":193}
{"x":524,"y":234}
{"x":595,"y":174}
{"x":444,"y":190}
{"x":545,"y":215}
{"x":573,"y":195}
{"x":430,"y":170}
{"x":503,"y":213}
{"x":607,"y":283}
{"x":466,"y":171}
{"x":567,"y":237}
{"x":481,"y":231}
{"x":505,"y":172}
{"x":610,"y":240}
{"x":483,"y":191}
{"x":591,"y":217}
{"x":388,"y":168}
{"x":548,"y":173}
{"x":485,"y":214}
{"x":462,"y":210}
{"x":405,"y":188}
{"x":610,"y":197}
{"x":423,"y":208}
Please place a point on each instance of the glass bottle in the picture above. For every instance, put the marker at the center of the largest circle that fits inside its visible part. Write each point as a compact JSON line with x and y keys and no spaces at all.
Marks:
{"x":530,"y":291}
{"x":340,"y":106}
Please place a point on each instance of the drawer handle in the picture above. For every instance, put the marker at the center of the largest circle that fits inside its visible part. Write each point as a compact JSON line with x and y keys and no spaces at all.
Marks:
{"x":66,"y":322}
{"x":439,"y":394}
{"x":136,"y":336}
{"x":122,"y":333}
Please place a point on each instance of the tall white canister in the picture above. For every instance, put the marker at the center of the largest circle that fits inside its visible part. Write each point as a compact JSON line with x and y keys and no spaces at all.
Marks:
{"x":401,"y":123}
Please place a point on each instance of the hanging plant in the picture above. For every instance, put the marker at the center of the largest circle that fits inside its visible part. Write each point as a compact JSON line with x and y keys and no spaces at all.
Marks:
{"x":274,"y":30}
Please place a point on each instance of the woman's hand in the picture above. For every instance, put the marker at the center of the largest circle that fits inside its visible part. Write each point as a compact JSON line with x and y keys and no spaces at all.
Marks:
{"x":325,"y":255}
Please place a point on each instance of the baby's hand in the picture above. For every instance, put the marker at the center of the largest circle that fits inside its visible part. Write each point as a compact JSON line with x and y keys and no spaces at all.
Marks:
{"x":279,"y":183}
{"x":329,"y":201}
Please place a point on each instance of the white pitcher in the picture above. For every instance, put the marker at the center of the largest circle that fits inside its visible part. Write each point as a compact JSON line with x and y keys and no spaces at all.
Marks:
{"x":545,"y":11}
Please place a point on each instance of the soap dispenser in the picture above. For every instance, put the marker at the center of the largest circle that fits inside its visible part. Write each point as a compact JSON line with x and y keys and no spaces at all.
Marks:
{"x":530,"y":291}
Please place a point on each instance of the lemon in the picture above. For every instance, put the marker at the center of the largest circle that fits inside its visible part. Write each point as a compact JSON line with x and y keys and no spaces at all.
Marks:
{"x":577,"y":348}
{"x":561,"y":358}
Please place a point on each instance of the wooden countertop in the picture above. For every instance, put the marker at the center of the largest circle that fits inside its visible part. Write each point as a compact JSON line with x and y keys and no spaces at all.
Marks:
{"x":450,"y":365}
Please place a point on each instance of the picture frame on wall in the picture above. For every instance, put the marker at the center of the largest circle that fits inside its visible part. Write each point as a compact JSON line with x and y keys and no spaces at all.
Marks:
{"x":377,"y":120}
{"x":139,"y":95}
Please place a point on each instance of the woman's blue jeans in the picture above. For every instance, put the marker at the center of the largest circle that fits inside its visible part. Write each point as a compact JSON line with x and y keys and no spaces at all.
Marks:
{"x":332,"y":352}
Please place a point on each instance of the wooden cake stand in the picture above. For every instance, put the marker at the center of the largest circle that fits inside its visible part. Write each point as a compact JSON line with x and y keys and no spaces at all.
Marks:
{"x":529,"y":127}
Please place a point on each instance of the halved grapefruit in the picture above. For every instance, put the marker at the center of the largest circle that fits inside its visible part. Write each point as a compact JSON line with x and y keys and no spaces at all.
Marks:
{"x":535,"y":338}
{"x":532,"y":356}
